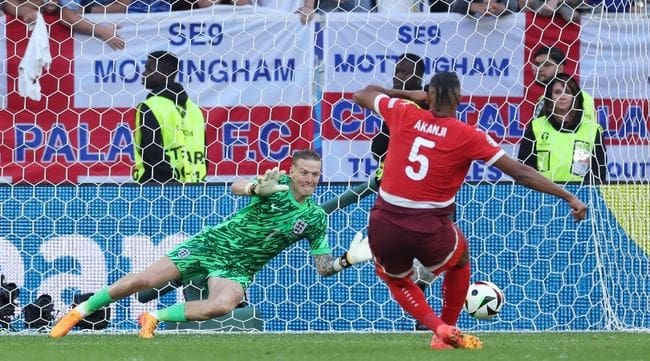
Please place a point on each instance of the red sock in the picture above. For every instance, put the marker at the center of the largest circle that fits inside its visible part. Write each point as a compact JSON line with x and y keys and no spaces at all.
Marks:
{"x":454,"y":291}
{"x":412,"y":300}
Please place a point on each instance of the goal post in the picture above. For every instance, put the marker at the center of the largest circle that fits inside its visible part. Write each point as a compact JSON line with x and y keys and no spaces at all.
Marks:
{"x":72,"y":221}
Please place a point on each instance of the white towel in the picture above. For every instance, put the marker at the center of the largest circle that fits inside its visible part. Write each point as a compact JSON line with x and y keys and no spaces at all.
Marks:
{"x":37,"y":56}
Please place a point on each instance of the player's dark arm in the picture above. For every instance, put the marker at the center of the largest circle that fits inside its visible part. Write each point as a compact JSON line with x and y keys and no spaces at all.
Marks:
{"x":379,"y":144}
{"x":526,"y":152}
{"x":366,"y":97}
{"x":599,"y":160}
{"x":530,"y":178}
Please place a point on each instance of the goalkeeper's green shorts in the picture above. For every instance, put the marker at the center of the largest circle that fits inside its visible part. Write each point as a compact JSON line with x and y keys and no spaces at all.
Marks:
{"x":195,"y":258}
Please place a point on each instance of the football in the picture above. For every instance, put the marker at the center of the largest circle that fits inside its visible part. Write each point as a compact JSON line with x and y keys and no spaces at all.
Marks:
{"x":484,"y":300}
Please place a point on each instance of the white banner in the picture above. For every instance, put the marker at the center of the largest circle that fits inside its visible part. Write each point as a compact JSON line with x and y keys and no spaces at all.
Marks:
{"x":628,"y":163}
{"x":227,"y":58}
{"x":351,"y":161}
{"x":347,"y":160}
{"x":488,"y":55}
{"x":614,"y":61}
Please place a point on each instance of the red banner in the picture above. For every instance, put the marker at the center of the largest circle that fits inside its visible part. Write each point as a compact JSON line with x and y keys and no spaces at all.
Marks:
{"x":51,"y":141}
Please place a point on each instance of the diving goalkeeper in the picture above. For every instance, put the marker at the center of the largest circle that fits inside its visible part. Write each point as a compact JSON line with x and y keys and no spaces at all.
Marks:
{"x":229,"y":254}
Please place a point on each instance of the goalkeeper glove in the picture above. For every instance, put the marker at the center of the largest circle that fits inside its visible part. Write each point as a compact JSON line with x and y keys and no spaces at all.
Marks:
{"x":358,"y":252}
{"x":268,"y":183}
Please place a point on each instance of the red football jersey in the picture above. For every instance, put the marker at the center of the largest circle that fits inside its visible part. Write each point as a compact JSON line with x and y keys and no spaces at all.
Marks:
{"x":428,"y":157}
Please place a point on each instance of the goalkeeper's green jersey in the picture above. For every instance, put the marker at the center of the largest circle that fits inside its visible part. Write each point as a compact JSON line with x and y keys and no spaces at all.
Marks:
{"x":255,"y":234}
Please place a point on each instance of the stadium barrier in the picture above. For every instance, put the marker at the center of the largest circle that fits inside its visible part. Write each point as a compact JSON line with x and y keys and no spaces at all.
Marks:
{"x":291,"y":88}
{"x":556,"y":274}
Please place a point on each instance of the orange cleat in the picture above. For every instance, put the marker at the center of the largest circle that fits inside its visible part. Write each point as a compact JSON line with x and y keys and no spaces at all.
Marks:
{"x":148,"y":325}
{"x":455,"y":338}
{"x":472,"y":342}
{"x":65,"y":324}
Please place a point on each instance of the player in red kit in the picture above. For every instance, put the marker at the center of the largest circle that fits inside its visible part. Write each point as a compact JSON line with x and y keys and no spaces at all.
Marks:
{"x":423,"y":171}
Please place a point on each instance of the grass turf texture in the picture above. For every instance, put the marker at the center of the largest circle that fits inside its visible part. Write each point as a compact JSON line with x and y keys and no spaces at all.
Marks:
{"x":327,"y":347}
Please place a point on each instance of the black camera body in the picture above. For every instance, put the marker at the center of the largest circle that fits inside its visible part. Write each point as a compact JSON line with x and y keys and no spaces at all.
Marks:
{"x":40,"y":313}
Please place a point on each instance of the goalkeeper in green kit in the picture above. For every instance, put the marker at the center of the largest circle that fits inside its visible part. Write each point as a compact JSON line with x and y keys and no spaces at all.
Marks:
{"x":229,"y":254}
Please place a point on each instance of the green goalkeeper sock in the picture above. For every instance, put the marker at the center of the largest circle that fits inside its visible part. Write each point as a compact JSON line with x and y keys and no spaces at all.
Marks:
{"x":100,"y":299}
{"x":174,"y":313}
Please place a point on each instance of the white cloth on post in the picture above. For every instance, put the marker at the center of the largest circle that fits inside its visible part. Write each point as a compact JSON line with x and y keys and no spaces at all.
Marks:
{"x":36,"y":57}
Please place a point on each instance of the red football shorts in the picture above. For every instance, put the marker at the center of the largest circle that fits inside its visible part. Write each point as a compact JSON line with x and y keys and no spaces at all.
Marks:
{"x":397,"y":235}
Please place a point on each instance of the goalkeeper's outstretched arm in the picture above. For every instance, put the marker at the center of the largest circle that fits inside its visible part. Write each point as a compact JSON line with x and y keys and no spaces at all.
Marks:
{"x":359,"y":252}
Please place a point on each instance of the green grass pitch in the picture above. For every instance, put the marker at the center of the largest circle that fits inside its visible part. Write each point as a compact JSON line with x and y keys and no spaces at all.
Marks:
{"x":610,"y":346}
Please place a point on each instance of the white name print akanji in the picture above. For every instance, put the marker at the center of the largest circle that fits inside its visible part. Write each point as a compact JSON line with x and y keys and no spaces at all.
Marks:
{"x":430,"y":128}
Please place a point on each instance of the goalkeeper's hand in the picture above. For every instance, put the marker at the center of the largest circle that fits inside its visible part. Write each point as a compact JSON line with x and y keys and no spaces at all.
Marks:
{"x":358,"y":252}
{"x":268,"y":183}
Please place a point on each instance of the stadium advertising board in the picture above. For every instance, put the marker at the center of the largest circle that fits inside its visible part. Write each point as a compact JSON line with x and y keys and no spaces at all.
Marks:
{"x":74,"y":239}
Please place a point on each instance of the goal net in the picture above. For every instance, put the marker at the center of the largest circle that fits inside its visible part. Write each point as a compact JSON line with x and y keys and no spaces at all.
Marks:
{"x":72,"y":220}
